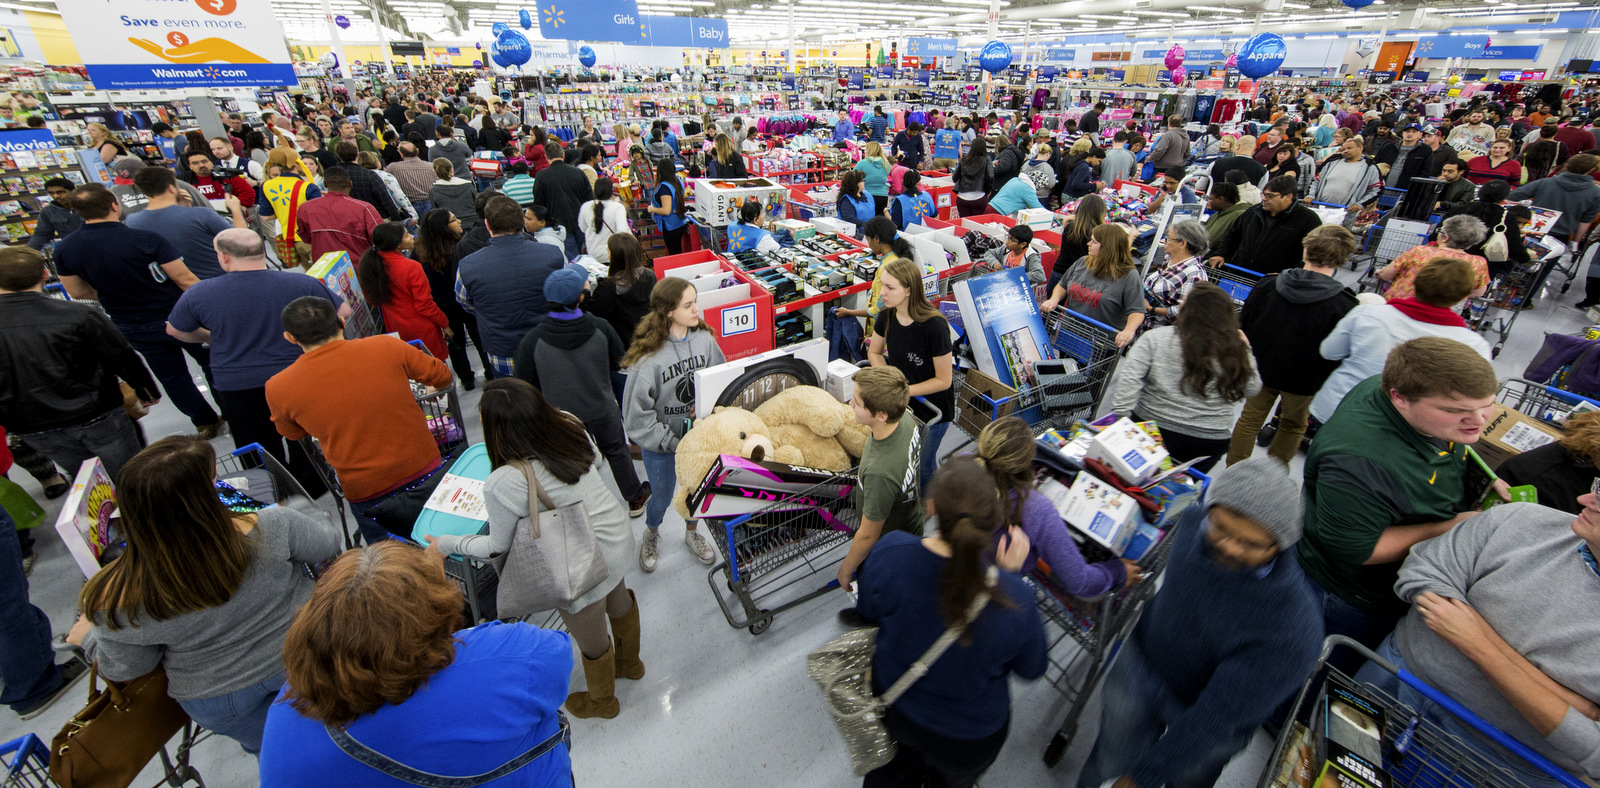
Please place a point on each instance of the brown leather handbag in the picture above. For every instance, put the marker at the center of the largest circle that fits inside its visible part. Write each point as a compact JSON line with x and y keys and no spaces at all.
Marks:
{"x":108,"y":742}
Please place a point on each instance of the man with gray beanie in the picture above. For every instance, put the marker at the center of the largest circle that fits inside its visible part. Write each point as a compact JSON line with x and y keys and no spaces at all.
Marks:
{"x":1232,"y":633}
{"x":578,"y":352}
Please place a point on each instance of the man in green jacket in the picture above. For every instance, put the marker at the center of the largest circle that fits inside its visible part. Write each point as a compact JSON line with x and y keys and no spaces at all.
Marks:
{"x":1224,"y":200}
{"x":1388,"y":471}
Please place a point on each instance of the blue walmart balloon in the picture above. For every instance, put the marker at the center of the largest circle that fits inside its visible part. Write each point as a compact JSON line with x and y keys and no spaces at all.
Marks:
{"x":527,"y":19}
{"x":1262,"y":55}
{"x":512,"y":48}
{"x":1358,"y":4}
{"x":477,"y":64}
{"x":586,"y":56}
{"x":995,"y":57}
{"x":500,"y":27}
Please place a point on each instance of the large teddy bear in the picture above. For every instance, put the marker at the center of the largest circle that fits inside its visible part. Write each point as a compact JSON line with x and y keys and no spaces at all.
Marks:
{"x":808,"y":427}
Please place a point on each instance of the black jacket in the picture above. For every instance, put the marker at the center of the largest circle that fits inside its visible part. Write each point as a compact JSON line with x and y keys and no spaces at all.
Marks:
{"x":60,"y":363}
{"x":591,"y":351}
{"x":1492,"y":215}
{"x":1286,"y":318}
{"x":562,"y":188}
{"x":1090,"y":122}
{"x":623,"y":310}
{"x":734,"y":169}
{"x":1267,"y":244}
{"x":1418,"y":163}
{"x":1007,"y":164}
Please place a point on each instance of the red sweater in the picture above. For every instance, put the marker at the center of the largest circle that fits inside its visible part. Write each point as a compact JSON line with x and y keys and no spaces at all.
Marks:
{"x":354,"y":396}
{"x":537,"y":160}
{"x":411,"y":311}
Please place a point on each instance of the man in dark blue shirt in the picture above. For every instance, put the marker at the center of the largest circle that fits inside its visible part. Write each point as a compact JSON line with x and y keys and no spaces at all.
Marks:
{"x":910,"y":147}
{"x":880,"y":125}
{"x":843,"y":129}
{"x":137,"y":276}
{"x":240,"y":315}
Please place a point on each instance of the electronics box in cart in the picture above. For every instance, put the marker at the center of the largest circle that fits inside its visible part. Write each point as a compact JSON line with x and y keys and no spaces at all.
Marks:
{"x":717,"y":200}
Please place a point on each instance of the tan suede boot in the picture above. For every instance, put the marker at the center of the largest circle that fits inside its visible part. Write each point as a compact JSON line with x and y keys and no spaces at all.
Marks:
{"x":625,"y":640}
{"x":601,"y":699}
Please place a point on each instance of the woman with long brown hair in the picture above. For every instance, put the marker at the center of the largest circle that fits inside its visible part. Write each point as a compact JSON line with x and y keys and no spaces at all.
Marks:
{"x":622,"y":298}
{"x":200,"y":591}
{"x":435,"y":248}
{"x":1006,"y":450}
{"x":1091,"y":213}
{"x":529,"y":439}
{"x":377,"y":661}
{"x":950,"y":724}
{"x":671,"y":342}
{"x":910,"y":335}
{"x":1188,"y":377}
{"x":1104,"y":285}
{"x":974,"y":179}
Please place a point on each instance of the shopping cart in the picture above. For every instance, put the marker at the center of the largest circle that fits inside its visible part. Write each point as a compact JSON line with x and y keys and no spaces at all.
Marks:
{"x":1235,"y":281}
{"x":1546,"y":403}
{"x":1085,"y":634}
{"x":26,"y":761}
{"x":769,"y":554}
{"x":1495,"y":312}
{"x":1433,"y":757}
{"x":1388,"y":238}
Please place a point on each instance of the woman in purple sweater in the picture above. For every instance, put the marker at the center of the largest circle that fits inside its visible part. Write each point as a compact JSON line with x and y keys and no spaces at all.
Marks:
{"x":1006,"y":449}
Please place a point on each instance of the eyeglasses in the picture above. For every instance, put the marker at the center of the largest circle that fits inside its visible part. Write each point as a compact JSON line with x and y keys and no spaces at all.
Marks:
{"x":1220,"y":538}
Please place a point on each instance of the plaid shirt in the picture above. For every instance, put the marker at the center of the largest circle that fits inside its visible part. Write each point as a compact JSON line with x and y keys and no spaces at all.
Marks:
{"x":1167,"y":286}
{"x":370,"y":189}
{"x":502,"y":366}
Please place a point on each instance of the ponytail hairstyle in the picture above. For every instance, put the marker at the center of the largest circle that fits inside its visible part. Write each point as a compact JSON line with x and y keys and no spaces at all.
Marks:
{"x":370,"y":272}
{"x":882,"y":230}
{"x":602,"y":193}
{"x":652,"y":331}
{"x":666,"y":172}
{"x":750,"y":212}
{"x":1005,"y":450}
{"x":1213,"y":351}
{"x":909,"y":183}
{"x":964,"y":499}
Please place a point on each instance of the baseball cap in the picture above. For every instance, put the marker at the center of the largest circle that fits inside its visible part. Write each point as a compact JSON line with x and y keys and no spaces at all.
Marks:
{"x":125,"y":168}
{"x":565,"y":286}
{"x":1431,"y":130}
{"x":1410,"y":126}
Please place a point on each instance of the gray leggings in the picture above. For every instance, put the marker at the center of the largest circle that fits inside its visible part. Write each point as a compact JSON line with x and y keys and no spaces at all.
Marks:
{"x":588,"y":626}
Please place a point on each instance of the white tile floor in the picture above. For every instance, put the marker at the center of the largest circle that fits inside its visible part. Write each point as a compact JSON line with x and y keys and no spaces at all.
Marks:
{"x":718,"y":707}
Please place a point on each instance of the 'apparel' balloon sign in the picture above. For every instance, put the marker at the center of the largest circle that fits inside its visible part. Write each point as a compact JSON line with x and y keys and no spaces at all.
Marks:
{"x":499,"y":28}
{"x":994,"y":58}
{"x":511,"y":49}
{"x":1175,"y":57}
{"x":1262,"y":55}
{"x":586,"y":56}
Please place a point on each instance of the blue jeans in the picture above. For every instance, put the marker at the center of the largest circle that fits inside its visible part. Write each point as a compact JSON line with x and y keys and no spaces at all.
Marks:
{"x":1137,"y":711}
{"x":422,"y":207}
{"x":164,"y":354}
{"x":662,"y":472}
{"x":109,"y":436}
{"x":1341,"y":618}
{"x":1435,"y":714}
{"x":240,"y":715}
{"x":930,"y":454}
{"x":371,"y":531}
{"x":28,"y":669}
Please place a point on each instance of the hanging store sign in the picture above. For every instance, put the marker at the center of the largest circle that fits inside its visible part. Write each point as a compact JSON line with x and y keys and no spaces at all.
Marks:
{"x":1046,"y":75}
{"x":592,"y":20}
{"x":1189,"y":56}
{"x":1380,"y":77}
{"x":1121,"y":55}
{"x":931,"y":47}
{"x":1061,"y":55}
{"x":142,"y":44}
{"x":1474,"y":48}
{"x":679,"y":31}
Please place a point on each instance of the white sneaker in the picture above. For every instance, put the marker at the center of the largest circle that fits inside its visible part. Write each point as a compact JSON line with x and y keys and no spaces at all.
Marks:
{"x":650,"y":550}
{"x":700,"y":546}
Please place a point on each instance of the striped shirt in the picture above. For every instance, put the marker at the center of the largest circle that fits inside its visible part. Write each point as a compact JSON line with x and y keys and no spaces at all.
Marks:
{"x":519,"y":188}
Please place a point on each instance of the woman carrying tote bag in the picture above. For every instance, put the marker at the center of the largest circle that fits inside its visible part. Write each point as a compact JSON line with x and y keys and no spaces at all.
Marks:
{"x":525,"y":435}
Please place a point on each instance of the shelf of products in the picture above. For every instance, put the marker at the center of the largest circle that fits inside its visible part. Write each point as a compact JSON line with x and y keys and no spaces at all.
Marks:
{"x":22,"y":178}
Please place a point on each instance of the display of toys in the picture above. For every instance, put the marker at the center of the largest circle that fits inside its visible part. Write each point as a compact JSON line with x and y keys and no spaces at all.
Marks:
{"x":823,"y":244}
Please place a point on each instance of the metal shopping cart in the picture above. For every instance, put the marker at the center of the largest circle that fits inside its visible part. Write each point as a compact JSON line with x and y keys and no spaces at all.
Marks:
{"x":769,"y":554}
{"x":26,"y":763}
{"x":1545,"y":403}
{"x":1495,"y":312}
{"x":1085,"y":634}
{"x":1235,"y":281}
{"x":1388,"y":238}
{"x":1434,"y":757}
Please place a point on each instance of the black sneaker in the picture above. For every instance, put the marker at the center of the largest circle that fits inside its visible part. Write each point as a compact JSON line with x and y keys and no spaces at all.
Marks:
{"x":852,"y":618}
{"x":57,"y":489}
{"x":71,"y":671}
{"x":637,"y":505}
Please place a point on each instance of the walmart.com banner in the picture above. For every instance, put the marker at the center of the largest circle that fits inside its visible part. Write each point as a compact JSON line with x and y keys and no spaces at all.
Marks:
{"x":137,"y":44}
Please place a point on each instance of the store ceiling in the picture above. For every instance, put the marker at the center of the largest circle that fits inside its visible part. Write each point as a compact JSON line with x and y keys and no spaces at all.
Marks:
{"x":851,"y":21}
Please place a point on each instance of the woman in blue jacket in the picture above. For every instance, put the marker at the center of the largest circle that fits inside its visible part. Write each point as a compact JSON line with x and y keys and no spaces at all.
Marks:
{"x":951,"y":723}
{"x":913,"y":204}
{"x":855,"y":205}
{"x":748,"y":235}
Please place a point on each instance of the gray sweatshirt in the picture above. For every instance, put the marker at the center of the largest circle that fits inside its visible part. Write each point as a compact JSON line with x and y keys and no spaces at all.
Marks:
{"x":224,"y":649}
{"x":658,"y":402}
{"x":1518,"y":566}
{"x":1149,"y":380}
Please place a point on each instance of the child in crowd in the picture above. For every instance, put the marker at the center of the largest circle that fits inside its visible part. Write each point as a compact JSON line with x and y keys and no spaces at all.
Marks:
{"x":888,"y":492}
{"x":669,"y":344}
{"x":1016,"y":252}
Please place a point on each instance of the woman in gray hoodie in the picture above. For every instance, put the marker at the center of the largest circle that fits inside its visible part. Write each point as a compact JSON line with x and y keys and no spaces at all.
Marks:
{"x":456,"y":195}
{"x":670,"y":343}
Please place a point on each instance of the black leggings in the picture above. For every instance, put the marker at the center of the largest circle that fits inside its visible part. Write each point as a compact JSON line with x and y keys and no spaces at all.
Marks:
{"x":1183,"y":447}
{"x":879,"y":205}
{"x":928,"y":758}
{"x":674,"y":239}
{"x":464,"y":324}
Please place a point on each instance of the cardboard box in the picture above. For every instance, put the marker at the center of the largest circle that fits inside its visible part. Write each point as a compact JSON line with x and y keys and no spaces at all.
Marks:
{"x":983,"y":399}
{"x":798,"y":229}
{"x":1097,"y":510}
{"x":1037,"y":218}
{"x":1511,"y":432}
{"x":1128,"y":451}
{"x":841,"y":373}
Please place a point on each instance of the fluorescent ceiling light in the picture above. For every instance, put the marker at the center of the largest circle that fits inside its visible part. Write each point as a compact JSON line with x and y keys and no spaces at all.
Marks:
{"x":1160,"y":13}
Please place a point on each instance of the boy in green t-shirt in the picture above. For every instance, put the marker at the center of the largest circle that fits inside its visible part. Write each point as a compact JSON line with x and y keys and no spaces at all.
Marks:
{"x":887,"y":488}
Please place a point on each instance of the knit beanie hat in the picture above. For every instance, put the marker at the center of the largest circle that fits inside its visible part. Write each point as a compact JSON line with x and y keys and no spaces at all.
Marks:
{"x":1260,"y":490}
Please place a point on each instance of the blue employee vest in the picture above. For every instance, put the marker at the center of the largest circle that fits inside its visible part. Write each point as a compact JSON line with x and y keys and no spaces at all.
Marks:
{"x":745,"y":238}
{"x":914,"y":209}
{"x":671,"y":221}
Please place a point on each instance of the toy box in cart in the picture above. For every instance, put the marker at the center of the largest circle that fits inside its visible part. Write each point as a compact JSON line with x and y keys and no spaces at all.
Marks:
{"x":717,"y":200}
